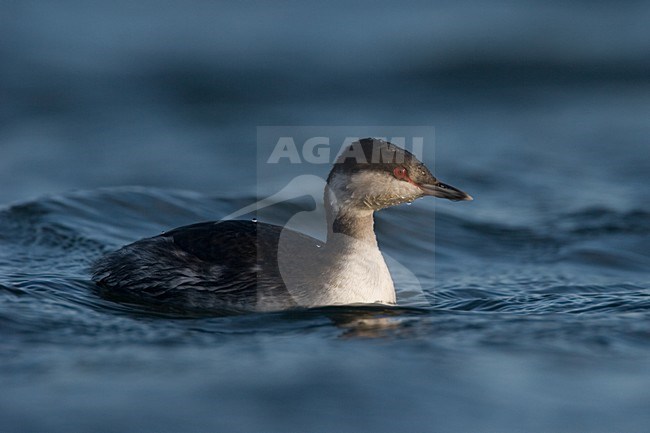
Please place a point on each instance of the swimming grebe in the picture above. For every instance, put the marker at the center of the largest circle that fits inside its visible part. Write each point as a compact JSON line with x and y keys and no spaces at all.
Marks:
{"x":256,"y":266}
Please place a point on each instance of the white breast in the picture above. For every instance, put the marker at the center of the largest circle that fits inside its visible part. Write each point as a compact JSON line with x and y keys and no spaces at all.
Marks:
{"x":360,"y":275}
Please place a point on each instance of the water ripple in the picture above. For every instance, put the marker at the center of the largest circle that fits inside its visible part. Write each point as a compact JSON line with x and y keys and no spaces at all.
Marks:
{"x":492,"y":271}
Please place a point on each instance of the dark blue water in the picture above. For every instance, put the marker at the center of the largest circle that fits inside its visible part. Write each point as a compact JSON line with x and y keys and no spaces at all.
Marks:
{"x":525,"y":310}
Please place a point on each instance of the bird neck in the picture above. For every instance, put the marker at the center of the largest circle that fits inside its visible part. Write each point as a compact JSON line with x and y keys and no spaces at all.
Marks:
{"x":351,"y":265}
{"x":346,"y":220}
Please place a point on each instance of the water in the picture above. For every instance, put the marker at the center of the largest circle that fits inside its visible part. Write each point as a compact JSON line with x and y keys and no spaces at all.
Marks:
{"x":532,"y":304}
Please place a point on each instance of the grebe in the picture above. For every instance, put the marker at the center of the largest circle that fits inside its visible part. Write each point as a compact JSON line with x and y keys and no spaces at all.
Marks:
{"x":251,"y":265}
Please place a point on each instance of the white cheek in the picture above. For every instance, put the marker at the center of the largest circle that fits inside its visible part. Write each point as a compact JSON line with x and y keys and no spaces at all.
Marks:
{"x":404,"y":189}
{"x":380,"y":184}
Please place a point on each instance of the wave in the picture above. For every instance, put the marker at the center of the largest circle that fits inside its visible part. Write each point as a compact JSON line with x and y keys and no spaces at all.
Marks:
{"x":569,"y":264}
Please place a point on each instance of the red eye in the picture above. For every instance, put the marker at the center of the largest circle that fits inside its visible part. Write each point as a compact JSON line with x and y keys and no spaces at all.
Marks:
{"x":399,"y":172}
